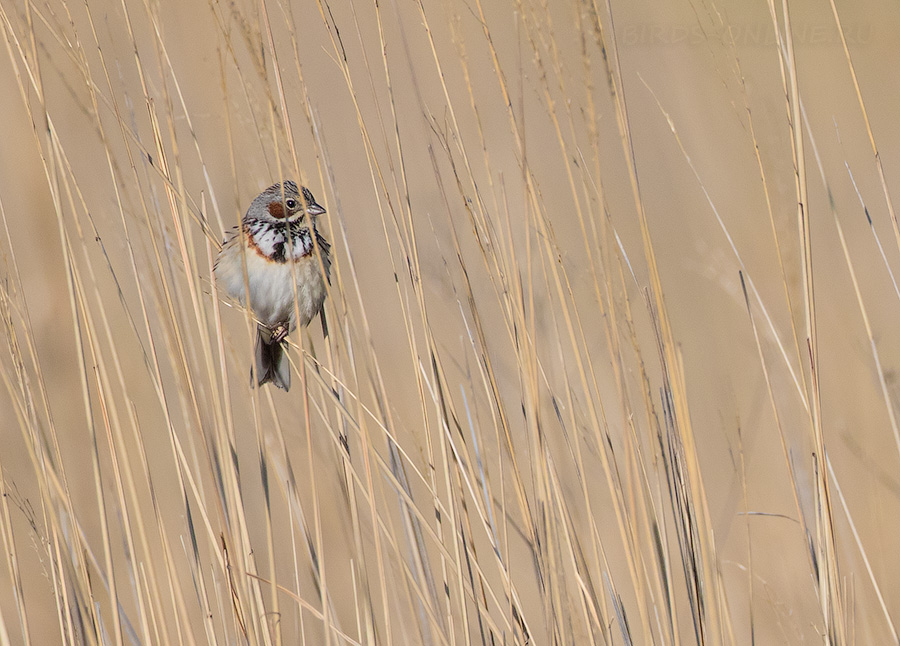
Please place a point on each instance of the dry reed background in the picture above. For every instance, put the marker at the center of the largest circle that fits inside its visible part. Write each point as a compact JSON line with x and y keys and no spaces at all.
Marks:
{"x":586,"y":356}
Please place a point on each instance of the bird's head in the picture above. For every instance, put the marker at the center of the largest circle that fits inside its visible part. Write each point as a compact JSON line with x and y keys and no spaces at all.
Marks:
{"x":285,"y":203}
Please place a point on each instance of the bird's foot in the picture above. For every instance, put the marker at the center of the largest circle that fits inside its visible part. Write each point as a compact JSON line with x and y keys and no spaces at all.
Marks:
{"x":279,"y":333}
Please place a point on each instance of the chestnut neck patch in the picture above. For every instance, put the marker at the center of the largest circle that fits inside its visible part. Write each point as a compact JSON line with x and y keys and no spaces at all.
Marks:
{"x":279,"y":241}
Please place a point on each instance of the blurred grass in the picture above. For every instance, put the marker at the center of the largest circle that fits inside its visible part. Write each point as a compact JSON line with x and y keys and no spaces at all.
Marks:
{"x":609,"y":357}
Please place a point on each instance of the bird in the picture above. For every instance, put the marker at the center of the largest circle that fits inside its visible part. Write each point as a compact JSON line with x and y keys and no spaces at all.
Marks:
{"x":285,"y":256}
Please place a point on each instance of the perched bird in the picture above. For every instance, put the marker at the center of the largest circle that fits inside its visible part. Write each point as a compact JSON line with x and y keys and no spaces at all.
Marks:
{"x":278,"y":241}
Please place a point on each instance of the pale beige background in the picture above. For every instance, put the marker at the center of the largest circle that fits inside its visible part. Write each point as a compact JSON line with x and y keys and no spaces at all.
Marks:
{"x":674,"y":50}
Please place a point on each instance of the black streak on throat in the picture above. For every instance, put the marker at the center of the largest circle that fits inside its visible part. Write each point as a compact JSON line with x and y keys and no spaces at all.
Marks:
{"x":300,"y":237}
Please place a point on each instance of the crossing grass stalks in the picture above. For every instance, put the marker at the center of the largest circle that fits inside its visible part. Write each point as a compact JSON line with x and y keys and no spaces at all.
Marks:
{"x":606,"y":363}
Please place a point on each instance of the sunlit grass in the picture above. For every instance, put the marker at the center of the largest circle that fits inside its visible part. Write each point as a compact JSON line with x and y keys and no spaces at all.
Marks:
{"x":503,"y":438}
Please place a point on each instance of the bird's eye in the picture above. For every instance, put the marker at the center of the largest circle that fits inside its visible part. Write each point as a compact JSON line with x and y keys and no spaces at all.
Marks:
{"x":291,"y":204}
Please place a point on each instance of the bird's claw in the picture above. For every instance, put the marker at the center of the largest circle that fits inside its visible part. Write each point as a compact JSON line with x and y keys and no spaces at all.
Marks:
{"x":279,"y":333}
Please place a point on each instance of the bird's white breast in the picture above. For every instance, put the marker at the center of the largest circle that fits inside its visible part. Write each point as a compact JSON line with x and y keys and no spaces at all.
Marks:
{"x":271,"y":285}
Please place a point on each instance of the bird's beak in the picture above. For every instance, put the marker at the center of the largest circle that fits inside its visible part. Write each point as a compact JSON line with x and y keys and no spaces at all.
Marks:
{"x":314,"y":209}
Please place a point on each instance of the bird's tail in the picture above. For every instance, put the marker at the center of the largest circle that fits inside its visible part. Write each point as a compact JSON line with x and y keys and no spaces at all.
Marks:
{"x":272,"y":364}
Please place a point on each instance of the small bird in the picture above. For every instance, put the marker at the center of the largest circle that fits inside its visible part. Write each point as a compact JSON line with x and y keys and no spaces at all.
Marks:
{"x":277,"y":239}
